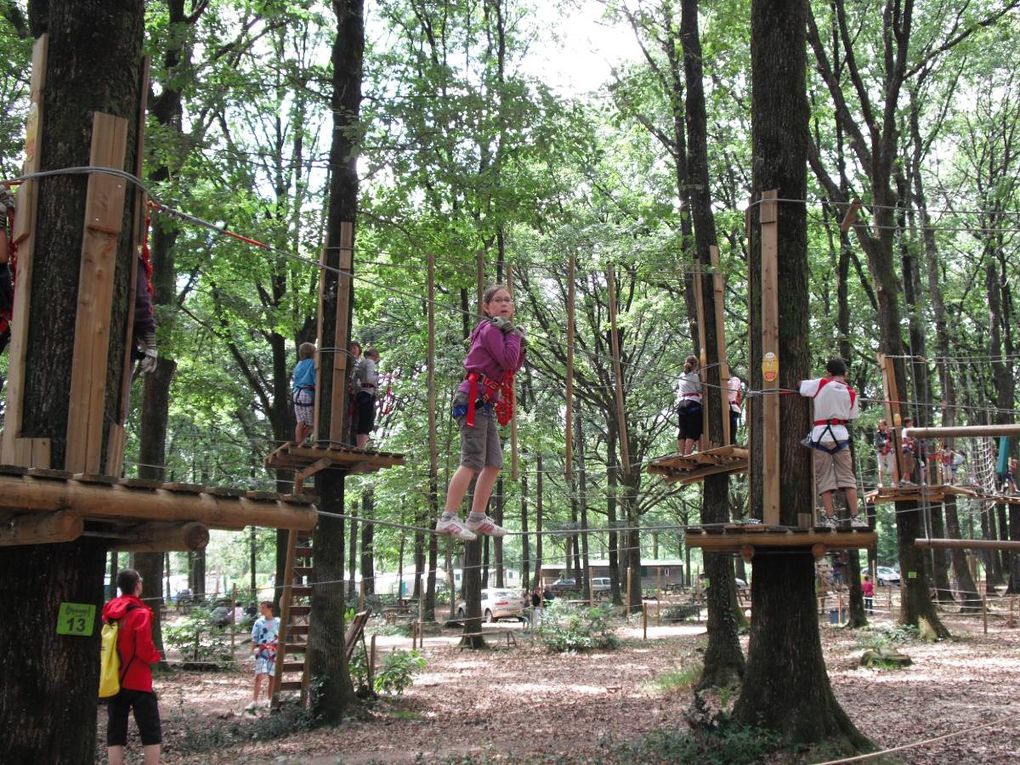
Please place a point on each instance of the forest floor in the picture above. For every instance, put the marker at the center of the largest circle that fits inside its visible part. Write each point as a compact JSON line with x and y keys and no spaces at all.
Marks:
{"x":523,"y":704}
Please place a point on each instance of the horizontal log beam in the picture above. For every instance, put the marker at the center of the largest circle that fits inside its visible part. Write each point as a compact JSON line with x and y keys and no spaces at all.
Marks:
{"x":162,"y":537}
{"x":101,"y":501}
{"x":966,"y":544}
{"x":964,"y":431}
{"x":62,"y":526}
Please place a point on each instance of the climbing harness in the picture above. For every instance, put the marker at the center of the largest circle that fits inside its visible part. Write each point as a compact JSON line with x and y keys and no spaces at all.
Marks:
{"x":490,"y":389}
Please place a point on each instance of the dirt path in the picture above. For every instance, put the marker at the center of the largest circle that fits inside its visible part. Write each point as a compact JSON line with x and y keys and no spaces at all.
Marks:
{"x":521,"y":704}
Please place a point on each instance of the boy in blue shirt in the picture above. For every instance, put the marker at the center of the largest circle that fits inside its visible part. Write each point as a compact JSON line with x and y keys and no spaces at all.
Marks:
{"x":303,"y":390}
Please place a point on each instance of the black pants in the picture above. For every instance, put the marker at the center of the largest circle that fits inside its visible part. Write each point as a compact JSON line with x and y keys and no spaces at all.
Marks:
{"x":146,"y":715}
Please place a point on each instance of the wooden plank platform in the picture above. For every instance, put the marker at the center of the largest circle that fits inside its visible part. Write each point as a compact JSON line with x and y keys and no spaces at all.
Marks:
{"x":291,"y":456}
{"x":934,"y":493}
{"x":734,"y":538}
{"x":691,"y":468}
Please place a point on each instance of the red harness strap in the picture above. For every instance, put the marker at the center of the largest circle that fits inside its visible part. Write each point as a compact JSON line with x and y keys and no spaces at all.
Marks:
{"x":504,"y":407}
{"x":833,"y":421}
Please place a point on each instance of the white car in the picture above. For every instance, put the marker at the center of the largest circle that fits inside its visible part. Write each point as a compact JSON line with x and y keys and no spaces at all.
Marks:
{"x":497,"y":604}
{"x":886,"y":575}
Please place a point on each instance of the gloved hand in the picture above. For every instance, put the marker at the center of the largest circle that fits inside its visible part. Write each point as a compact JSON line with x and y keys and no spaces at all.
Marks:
{"x":6,"y":201}
{"x":148,"y":362}
{"x":504,"y":324}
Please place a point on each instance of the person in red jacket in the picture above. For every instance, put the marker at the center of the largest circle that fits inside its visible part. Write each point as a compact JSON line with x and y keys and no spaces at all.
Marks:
{"x":137,"y":652}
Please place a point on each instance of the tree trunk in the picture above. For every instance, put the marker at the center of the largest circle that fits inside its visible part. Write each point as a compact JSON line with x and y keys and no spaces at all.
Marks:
{"x":367,"y":535}
{"x":329,"y":667}
{"x":48,"y":695}
{"x":786,"y":687}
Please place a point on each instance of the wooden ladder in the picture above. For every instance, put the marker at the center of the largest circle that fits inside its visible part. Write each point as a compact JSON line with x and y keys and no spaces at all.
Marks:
{"x":295,"y":612}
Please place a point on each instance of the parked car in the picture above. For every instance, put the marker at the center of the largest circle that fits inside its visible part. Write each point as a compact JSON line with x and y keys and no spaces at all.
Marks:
{"x":497,"y":604}
{"x":563,"y":585}
{"x":887,"y":576}
{"x":600,"y":584}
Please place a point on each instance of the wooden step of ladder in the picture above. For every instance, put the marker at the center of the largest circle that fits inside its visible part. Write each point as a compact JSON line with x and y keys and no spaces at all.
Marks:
{"x":295,"y":611}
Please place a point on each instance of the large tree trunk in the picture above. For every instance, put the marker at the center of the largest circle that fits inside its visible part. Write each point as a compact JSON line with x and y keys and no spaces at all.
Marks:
{"x":48,"y":695}
{"x":724,"y":662}
{"x":786,"y":687}
{"x":328,"y":666}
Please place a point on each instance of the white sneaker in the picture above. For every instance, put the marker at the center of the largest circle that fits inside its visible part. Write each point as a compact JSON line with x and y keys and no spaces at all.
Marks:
{"x":857,"y":522}
{"x":828,"y":522}
{"x":485,"y":525}
{"x":454,"y":528}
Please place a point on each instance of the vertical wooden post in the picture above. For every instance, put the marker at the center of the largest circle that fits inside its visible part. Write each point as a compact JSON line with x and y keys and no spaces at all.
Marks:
{"x":115,"y":446}
{"x":233,"y":619}
{"x":480,"y":281}
{"x":769,"y":220}
{"x":430,"y":362}
{"x":421,"y":613}
{"x":892,"y":412}
{"x":341,"y":340}
{"x":702,"y":354}
{"x":719,"y":293}
{"x":514,"y":458}
{"x":568,"y":462}
{"x":614,"y":337}
{"x":630,"y":572}
{"x":644,"y":620}
{"x":28,"y":452}
{"x":104,"y":219}
{"x":984,"y":610}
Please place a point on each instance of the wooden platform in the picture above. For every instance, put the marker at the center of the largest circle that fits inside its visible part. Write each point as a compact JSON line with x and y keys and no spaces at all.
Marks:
{"x":745,"y":538}
{"x":309,"y":460}
{"x":692,"y":468}
{"x":934,"y":493}
{"x":39,"y":506}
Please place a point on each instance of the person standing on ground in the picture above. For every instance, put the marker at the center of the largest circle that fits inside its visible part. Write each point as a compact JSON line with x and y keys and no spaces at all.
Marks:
{"x":496,"y":352}
{"x":536,"y":607}
{"x":136,"y":652}
{"x":835,"y":405}
{"x":263,"y":644}
{"x":302,"y":386}
{"x":366,"y":383}
{"x":868,"y":591}
{"x":689,"y":409}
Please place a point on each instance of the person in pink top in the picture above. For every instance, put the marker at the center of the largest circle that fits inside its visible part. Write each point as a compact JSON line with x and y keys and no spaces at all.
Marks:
{"x":497,"y":351}
{"x":868,"y":591}
{"x":835,"y":405}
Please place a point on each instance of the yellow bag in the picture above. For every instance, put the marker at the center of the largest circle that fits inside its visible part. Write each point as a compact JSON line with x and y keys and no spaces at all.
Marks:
{"x":109,"y":662}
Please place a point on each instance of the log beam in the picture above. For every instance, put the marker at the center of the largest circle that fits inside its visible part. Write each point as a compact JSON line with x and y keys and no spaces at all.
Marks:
{"x":93,"y":500}
{"x":966,"y":431}
{"x":966,"y":544}
{"x":62,"y":526}
{"x":163,"y":537}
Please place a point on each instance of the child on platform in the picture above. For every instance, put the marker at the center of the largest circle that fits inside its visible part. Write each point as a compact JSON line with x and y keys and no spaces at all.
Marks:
{"x":689,"y":410}
{"x":497,"y":349}
{"x":303,"y":390}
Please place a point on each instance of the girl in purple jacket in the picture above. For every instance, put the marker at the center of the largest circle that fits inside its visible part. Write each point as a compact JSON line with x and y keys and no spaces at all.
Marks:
{"x":497,"y":349}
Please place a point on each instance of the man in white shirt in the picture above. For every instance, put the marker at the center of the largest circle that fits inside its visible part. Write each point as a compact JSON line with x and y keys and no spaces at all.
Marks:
{"x":835,"y":405}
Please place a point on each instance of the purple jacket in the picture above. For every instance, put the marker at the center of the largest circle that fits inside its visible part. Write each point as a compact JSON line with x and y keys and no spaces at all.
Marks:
{"x":492,"y":353}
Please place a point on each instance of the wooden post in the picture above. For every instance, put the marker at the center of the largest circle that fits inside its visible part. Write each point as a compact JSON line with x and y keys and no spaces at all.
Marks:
{"x":614,"y":336}
{"x":568,"y":454}
{"x":28,"y":452}
{"x":644,"y":620}
{"x":984,"y":610}
{"x":699,"y":307}
{"x":371,"y":657}
{"x":719,"y":293}
{"x":430,"y":380}
{"x":514,"y":459}
{"x":892,"y":412}
{"x":233,"y":622}
{"x":769,"y":221}
{"x":104,"y":219}
{"x":341,"y":339}
{"x":629,"y":572}
{"x":115,"y":447}
{"x":421,"y":615}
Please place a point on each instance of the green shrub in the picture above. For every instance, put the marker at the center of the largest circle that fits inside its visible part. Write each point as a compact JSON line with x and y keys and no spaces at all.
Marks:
{"x":569,"y":628}
{"x":395,"y":675}
{"x":726,"y":746}
{"x":197,"y":639}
